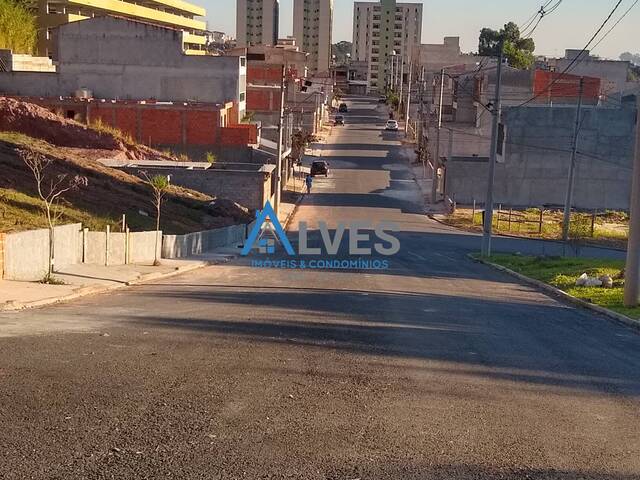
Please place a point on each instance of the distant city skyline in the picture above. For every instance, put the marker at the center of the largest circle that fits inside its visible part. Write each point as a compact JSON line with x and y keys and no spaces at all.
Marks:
{"x":570,"y":26}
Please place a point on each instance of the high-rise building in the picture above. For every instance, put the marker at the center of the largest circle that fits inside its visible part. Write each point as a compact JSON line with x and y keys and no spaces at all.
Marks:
{"x":312,"y":29}
{"x":175,"y":14}
{"x":384,"y":35}
{"x":257,"y":22}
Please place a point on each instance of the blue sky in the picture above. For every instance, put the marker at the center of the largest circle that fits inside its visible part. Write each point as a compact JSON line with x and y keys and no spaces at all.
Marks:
{"x":570,"y":26}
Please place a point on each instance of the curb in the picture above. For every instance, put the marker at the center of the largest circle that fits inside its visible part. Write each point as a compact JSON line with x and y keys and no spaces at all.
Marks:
{"x":293,"y":212}
{"x":98,"y":289}
{"x":559,"y":294}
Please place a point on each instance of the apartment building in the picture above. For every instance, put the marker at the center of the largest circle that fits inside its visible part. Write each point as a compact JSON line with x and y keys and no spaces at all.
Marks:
{"x":177,"y":14}
{"x":257,"y":22}
{"x":380,"y":29}
{"x":312,"y":29}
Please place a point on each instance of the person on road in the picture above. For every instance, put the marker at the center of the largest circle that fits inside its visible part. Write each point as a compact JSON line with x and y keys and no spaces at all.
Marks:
{"x":308,"y":182}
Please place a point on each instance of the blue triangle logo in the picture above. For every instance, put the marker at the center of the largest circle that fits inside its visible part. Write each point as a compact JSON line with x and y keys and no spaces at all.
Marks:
{"x":261,"y":216}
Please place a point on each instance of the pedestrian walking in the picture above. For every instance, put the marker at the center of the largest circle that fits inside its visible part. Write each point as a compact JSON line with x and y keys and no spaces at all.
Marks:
{"x":308,"y":182}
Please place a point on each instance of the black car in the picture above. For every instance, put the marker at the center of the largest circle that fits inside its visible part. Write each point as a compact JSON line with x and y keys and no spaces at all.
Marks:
{"x":319,"y":167}
{"x":343,"y":108}
{"x":339,"y":120}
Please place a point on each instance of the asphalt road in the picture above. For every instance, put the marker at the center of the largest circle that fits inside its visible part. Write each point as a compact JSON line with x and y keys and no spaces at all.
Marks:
{"x":435,"y":368}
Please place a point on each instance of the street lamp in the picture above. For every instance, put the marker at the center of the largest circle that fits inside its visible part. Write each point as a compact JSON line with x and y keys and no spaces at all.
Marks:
{"x":392,"y":79}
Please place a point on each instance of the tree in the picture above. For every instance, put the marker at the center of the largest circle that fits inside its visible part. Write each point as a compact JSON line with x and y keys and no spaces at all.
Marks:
{"x":18,"y":30}
{"x":630,"y":57}
{"x":341,"y":50}
{"x":50,"y":190}
{"x":160,"y":187}
{"x":517,"y":50}
{"x":300,"y":140}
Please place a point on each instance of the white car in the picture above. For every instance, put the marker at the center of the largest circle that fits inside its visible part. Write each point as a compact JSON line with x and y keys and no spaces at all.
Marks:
{"x":392,"y":125}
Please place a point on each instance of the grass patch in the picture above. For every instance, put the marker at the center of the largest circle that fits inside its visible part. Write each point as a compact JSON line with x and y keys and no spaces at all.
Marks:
{"x":610,"y":228}
{"x":562,"y":272}
{"x":19,"y":212}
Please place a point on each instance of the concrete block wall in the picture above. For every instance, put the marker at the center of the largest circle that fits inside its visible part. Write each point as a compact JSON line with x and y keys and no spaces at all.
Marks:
{"x":248,"y":188}
{"x":536,"y":163}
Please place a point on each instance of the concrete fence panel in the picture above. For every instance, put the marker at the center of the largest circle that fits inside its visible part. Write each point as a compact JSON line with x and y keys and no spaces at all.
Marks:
{"x":67,"y":244}
{"x":95,"y":248}
{"x":178,"y":246}
{"x":26,"y":254}
{"x":117,"y":248}
{"x":141,"y":247}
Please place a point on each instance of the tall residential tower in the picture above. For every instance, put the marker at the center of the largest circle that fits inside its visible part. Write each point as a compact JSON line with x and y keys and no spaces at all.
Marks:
{"x":257,"y":22}
{"x":380,"y":29}
{"x":312,"y":29}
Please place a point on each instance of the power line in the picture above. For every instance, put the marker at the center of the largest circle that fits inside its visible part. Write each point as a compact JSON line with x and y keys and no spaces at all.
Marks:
{"x":543,"y":12}
{"x":577,"y":59}
{"x":616,"y":24}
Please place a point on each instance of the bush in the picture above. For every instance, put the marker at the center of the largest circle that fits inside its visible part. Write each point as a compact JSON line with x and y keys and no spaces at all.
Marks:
{"x":18,"y":30}
{"x":579,"y":227}
{"x":211,"y":157}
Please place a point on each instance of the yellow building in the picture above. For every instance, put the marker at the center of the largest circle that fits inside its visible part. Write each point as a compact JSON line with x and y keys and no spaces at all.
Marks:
{"x":173,"y":13}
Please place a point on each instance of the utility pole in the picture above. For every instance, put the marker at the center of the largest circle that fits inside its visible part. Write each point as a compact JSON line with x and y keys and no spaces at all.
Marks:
{"x":436,"y":160}
{"x":401,"y":84}
{"x":421,"y":124}
{"x":632,"y":270}
{"x":276,"y":202}
{"x":407,"y":116}
{"x":391,"y":77}
{"x":568,"y":200}
{"x":497,"y":113}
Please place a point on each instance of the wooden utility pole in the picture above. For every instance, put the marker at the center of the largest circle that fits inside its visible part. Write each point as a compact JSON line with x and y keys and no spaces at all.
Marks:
{"x":632,"y":271}
{"x":566,"y":222}
{"x":493,"y":157}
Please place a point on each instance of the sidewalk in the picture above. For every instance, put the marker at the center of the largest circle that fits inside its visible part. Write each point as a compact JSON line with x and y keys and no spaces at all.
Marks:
{"x":80,"y":280}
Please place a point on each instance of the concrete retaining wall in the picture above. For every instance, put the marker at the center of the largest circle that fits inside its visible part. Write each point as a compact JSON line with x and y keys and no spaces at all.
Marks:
{"x":178,"y":246}
{"x":26,"y":254}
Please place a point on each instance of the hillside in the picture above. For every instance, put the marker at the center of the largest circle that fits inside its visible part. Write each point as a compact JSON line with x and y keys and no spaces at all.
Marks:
{"x":109,"y":193}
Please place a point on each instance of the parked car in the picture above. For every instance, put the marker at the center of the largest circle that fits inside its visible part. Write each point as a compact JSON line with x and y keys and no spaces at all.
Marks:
{"x":319,"y":167}
{"x":343,"y":108}
{"x":392,"y":125}
{"x":339,"y":120}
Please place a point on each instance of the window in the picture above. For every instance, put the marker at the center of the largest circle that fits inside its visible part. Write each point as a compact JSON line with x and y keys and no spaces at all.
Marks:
{"x":243,"y":96}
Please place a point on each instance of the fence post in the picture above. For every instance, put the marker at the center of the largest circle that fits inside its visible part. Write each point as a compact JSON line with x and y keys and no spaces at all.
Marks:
{"x":510,"y":212}
{"x":498,"y":216}
{"x":541,"y":221}
{"x":594,"y":214}
{"x":108,"y":241}
{"x":127,"y":246}
{"x":85,"y":244}
{"x":473,"y":213}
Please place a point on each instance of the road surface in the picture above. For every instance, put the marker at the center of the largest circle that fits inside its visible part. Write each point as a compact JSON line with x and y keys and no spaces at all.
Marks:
{"x":435,"y":368}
